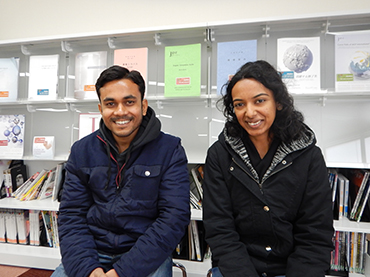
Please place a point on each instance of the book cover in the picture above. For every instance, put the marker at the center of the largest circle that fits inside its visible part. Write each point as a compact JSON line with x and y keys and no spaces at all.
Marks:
{"x":298,"y":60}
{"x":88,"y":123}
{"x":9,"y":70}
{"x":43,"y":147}
{"x":43,"y":77}
{"x":58,"y":182}
{"x":88,"y":67}
{"x":12,"y":136}
{"x":352,"y":62}
{"x":182,"y":72}
{"x":231,"y":55}
{"x":2,"y":225}
{"x":133,"y":59}
{"x":18,"y":175}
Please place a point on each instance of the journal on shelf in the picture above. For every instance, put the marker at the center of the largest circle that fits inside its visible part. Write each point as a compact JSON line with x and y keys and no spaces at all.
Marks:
{"x":9,"y":71}
{"x":182,"y":70}
{"x":43,"y":77}
{"x":133,"y":59}
{"x":231,"y":55}
{"x":88,"y":67}
{"x":298,"y":59}
{"x":12,"y":136}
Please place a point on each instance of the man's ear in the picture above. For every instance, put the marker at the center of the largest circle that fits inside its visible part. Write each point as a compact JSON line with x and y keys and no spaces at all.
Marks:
{"x":144,"y":105}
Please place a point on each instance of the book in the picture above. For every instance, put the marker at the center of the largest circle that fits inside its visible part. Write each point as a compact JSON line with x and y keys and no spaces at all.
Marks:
{"x":18,"y":174}
{"x":359,"y":195}
{"x":182,"y":70}
{"x":88,"y":66}
{"x":352,"y":61}
{"x":12,"y":136}
{"x":88,"y":123}
{"x":35,"y":227}
{"x":298,"y":60}
{"x":43,"y":147}
{"x":32,"y":187}
{"x":231,"y":55}
{"x":197,"y":175}
{"x":363,"y":202}
{"x":197,"y":251}
{"x":341,"y":186}
{"x":48,"y":227}
{"x":2,"y":225}
{"x":22,"y":229}
{"x":11,"y":226}
{"x":43,"y":77}
{"x":133,"y":59}
{"x":59,"y":180}
{"x":48,"y":186}
{"x":9,"y":71}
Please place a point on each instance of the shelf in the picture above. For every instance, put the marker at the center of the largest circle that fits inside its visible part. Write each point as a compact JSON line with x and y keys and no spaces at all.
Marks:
{"x":42,"y":205}
{"x":193,"y":268}
{"x":29,"y":256}
{"x":347,"y":225}
{"x":196,"y":214}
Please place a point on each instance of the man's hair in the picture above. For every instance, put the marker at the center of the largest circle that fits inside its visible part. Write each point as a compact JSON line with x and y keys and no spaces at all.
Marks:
{"x":288,"y":124}
{"x":117,"y":72}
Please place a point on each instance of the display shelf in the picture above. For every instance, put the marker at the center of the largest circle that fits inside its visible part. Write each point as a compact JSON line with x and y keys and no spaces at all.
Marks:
{"x":42,"y":205}
{"x":29,"y":256}
{"x":346,"y":225}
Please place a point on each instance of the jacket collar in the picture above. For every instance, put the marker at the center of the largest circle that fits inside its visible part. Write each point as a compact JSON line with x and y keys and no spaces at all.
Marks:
{"x":292,"y":149}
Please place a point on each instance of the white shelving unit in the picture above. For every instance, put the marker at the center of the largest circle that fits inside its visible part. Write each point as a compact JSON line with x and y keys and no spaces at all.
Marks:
{"x":196,"y":120}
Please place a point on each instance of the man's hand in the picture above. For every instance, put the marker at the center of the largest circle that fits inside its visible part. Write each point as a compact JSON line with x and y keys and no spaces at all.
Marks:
{"x":98,"y":272}
{"x":112,"y":273}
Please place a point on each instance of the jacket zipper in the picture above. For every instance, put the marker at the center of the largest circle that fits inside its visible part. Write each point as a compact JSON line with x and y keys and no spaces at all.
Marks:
{"x":257,"y":181}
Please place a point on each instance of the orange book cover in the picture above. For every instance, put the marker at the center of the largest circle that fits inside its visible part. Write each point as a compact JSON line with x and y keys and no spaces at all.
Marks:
{"x":133,"y":59}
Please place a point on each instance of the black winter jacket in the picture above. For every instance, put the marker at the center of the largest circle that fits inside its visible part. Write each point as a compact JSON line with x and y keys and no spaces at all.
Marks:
{"x":281,"y":225}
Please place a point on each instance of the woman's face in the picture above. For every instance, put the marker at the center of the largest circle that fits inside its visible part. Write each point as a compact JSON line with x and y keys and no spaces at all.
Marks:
{"x":255,"y":108}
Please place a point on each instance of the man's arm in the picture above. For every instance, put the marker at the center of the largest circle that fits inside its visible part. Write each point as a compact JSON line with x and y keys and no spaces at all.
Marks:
{"x":79,"y":255}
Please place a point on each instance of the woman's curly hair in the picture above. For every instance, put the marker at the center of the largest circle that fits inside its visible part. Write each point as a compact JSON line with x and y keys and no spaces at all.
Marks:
{"x":288,"y":124}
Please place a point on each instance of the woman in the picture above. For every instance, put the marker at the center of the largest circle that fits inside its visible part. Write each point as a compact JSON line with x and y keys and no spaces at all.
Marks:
{"x":267,"y":207}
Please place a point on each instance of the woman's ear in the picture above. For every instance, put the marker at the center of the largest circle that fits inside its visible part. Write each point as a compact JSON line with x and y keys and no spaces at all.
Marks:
{"x":279,"y":107}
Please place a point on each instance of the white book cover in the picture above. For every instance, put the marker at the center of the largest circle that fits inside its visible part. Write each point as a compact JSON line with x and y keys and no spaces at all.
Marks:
{"x":43,"y":147}
{"x":88,"y":67}
{"x":298,"y":60}
{"x":88,"y":123}
{"x":43,"y":77}
{"x":12,"y":136}
{"x":9,"y":71}
{"x":352,"y":62}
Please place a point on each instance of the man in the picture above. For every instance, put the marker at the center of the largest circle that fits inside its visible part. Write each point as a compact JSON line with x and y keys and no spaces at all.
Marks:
{"x":125,"y":201}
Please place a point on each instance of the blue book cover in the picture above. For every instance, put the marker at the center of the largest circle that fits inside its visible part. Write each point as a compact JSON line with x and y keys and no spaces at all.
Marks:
{"x":231,"y":55}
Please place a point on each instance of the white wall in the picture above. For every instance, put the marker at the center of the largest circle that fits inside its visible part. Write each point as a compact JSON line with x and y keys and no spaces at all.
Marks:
{"x":26,"y":20}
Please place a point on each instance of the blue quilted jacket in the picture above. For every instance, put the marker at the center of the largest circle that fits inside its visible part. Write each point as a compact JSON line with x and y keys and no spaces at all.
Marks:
{"x":135,"y":203}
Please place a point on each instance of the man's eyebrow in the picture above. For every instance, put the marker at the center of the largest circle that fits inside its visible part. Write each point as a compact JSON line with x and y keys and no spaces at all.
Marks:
{"x":126,"y":97}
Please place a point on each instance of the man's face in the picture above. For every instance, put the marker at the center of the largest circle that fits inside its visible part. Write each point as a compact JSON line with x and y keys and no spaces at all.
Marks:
{"x":122,"y":109}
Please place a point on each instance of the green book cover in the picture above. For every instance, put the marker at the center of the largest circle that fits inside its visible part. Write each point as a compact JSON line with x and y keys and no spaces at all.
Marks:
{"x":182,"y":70}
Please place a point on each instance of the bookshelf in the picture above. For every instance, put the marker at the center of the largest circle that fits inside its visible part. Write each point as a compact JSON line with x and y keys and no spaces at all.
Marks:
{"x":195,"y":119}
